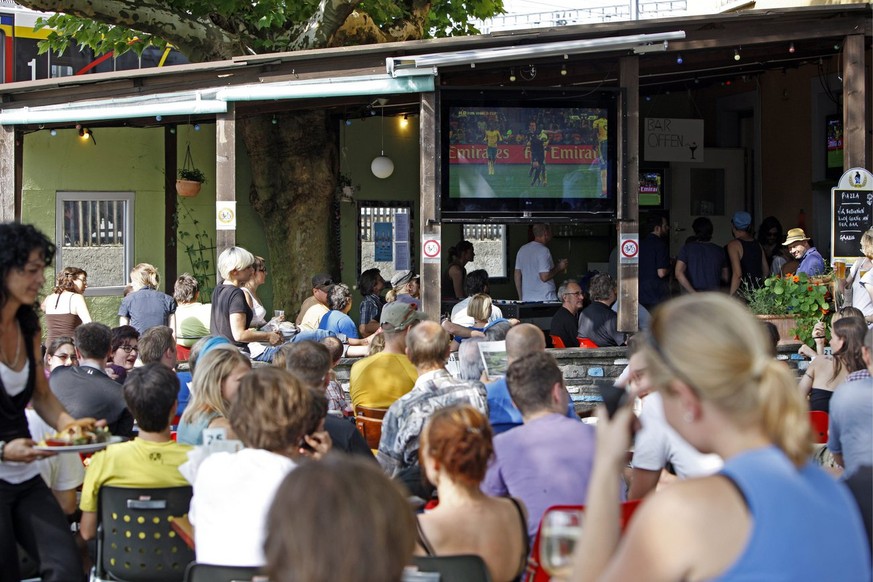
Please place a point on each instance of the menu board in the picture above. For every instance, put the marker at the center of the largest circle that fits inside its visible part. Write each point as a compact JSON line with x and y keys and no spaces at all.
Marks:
{"x":852,"y":216}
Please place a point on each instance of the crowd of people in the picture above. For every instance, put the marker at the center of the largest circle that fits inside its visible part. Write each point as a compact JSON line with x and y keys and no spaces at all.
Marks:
{"x":466,"y":463}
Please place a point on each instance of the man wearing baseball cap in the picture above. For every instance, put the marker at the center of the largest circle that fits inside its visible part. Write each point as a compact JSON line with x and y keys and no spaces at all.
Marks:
{"x":378,"y":380}
{"x":748,"y":262}
{"x":811,"y":261}
{"x":315,"y":307}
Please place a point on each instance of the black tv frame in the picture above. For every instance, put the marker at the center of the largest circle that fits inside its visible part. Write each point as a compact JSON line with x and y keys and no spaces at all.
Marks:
{"x":449,"y":209}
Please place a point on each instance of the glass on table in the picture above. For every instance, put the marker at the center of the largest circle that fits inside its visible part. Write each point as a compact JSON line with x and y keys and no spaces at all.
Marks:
{"x":560,"y":530}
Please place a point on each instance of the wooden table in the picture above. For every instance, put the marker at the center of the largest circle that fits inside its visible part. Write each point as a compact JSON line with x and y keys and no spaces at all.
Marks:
{"x":183,"y":527}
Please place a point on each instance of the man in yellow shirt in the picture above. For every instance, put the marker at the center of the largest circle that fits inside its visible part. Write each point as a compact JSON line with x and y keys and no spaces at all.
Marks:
{"x":378,"y":380}
{"x":151,"y":459}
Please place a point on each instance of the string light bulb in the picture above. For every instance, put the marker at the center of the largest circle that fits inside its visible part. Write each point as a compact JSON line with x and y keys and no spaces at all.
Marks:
{"x":512,"y":76}
{"x":737,"y":54}
{"x":563,"y":70}
{"x":679,"y":59}
{"x":404,"y":121}
{"x":791,"y":48}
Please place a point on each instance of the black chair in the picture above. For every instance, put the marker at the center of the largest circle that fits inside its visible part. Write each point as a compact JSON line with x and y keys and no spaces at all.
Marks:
{"x":135,"y":542}
{"x":461,"y":568}
{"x":212,"y":573}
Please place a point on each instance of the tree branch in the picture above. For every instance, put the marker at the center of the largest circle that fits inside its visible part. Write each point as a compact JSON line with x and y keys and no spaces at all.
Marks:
{"x":198,"y":38}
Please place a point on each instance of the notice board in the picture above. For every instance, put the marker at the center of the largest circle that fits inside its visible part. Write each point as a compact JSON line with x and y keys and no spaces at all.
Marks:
{"x":851,"y":213}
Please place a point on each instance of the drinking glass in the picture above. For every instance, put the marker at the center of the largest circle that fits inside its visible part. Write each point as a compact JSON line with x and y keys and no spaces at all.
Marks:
{"x":279,"y":313}
{"x":840,"y":266}
{"x":560,"y":530}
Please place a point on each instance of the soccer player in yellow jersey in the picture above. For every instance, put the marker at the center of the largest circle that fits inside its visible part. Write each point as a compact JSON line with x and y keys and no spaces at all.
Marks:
{"x":599,"y":126}
{"x":492,"y":138}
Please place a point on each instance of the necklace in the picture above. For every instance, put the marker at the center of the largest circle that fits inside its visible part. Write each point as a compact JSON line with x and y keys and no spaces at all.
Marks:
{"x":17,"y":348}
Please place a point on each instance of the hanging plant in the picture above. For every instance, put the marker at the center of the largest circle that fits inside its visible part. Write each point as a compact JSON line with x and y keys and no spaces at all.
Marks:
{"x":190,"y":178}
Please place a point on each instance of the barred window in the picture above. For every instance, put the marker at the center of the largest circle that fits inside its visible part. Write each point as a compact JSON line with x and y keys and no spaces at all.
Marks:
{"x":94,"y":232}
{"x":489,"y":241}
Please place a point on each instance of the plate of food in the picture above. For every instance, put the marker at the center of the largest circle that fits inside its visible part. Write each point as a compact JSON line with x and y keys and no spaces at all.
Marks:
{"x":76,"y":439}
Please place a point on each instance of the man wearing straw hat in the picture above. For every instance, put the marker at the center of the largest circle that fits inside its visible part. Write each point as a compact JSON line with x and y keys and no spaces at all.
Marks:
{"x":810,"y":259}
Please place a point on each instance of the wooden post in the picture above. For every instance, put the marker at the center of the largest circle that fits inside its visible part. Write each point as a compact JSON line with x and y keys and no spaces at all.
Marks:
{"x":854,"y":103}
{"x":170,"y":251}
{"x":9,"y":164}
{"x":429,"y":187}
{"x":225,"y":171}
{"x":628,"y":177}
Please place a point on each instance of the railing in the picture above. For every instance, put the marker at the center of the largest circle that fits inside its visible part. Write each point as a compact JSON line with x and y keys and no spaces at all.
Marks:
{"x":606,"y":12}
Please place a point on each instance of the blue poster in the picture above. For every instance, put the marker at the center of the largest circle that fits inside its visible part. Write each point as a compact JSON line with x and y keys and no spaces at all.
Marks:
{"x":383,"y":235}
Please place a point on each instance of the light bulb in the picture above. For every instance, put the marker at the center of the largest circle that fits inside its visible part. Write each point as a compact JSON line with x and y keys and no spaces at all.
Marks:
{"x":382,"y":166}
{"x":737,"y":55}
{"x":158,"y":118}
{"x":563,"y":71}
{"x":679,"y":59}
{"x":196,"y":127}
{"x":53,"y":132}
{"x":791,"y":48}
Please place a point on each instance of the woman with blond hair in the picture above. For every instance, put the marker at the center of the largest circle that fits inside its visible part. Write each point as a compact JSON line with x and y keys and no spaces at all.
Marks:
{"x":455,"y":449}
{"x":258,"y":278}
{"x":231,"y":315}
{"x":280,"y":421}
{"x":213,"y":390}
{"x":769,"y":514}
{"x":145,"y":307}
{"x":65,"y":308}
{"x":859,"y":290}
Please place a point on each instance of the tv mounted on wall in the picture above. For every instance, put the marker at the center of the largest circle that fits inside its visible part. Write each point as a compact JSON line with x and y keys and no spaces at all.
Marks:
{"x":510,"y":155}
{"x":652,"y":187}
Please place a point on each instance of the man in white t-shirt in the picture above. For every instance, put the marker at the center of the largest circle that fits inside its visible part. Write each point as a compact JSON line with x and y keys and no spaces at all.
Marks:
{"x":534,"y":269}
{"x":656,"y":444}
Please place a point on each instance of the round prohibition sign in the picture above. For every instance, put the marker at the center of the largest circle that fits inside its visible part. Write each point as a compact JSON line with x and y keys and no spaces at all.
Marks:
{"x":630,"y":248}
{"x":431,"y":248}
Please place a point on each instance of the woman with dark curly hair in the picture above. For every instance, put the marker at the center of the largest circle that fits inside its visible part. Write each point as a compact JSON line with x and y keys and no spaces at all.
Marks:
{"x":65,"y":308}
{"x":28,"y":510}
{"x":123,"y":351}
{"x":455,"y":449}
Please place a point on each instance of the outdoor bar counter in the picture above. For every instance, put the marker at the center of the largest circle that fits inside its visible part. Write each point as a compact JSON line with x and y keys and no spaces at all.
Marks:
{"x":584,"y":369}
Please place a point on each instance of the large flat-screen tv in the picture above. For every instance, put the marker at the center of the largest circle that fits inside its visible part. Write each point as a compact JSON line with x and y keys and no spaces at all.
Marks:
{"x":510,"y":155}
{"x":651,"y":187}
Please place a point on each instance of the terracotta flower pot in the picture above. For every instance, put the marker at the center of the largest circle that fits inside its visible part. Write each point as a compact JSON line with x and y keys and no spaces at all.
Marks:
{"x":785,"y":324}
{"x":187,"y":188}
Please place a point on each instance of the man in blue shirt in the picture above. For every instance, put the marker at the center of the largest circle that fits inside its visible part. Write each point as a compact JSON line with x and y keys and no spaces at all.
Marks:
{"x":654,"y":262}
{"x":811,"y":261}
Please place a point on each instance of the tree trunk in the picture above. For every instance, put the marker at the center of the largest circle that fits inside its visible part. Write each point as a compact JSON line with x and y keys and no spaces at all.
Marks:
{"x":294,"y":168}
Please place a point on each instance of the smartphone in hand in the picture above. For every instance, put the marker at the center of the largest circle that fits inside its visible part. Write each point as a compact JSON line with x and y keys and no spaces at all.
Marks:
{"x":613,"y":397}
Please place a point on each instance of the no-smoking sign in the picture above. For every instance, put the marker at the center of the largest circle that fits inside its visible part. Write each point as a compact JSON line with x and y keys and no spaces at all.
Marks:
{"x":629,"y":248}
{"x":431,"y":249}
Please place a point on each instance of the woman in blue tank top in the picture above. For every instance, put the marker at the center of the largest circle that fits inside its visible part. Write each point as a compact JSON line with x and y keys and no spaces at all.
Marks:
{"x":770,"y":514}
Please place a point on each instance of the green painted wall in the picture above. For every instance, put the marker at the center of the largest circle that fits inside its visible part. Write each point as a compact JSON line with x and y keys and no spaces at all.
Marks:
{"x":122,"y":160}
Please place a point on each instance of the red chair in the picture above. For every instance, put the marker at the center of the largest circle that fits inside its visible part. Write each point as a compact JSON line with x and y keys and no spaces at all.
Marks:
{"x":819,"y":422}
{"x":557,"y":342}
{"x":584,"y":342}
{"x":535,"y":571}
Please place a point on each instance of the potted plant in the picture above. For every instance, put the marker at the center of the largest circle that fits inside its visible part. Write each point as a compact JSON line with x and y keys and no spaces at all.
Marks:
{"x":344,"y":188}
{"x":793,"y":303}
{"x":189,"y":182}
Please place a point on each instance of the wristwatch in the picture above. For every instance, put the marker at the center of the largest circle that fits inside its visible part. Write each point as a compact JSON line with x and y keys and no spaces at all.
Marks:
{"x":2,"y":446}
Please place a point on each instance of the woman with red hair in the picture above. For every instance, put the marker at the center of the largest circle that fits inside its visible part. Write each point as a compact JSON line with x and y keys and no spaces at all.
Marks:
{"x":455,"y":449}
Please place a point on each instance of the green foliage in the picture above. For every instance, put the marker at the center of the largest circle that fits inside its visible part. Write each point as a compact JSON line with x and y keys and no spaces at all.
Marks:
{"x":101,"y":38}
{"x":199,"y":246}
{"x":808,"y":299}
{"x":192,"y":174}
{"x":452,"y":18}
{"x":261,"y":26}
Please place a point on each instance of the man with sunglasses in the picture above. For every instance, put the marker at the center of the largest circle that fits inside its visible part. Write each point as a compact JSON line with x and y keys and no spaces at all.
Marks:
{"x":86,"y":388}
{"x":565,"y":323}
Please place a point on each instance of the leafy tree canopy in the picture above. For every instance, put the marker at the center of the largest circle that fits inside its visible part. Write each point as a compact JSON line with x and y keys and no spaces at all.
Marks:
{"x":220,"y":29}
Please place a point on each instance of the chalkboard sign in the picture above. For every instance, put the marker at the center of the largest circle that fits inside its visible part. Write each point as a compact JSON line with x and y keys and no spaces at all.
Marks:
{"x":852,"y":217}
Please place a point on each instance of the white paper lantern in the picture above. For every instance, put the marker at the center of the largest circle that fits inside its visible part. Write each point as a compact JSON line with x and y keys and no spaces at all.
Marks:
{"x":382,"y":167}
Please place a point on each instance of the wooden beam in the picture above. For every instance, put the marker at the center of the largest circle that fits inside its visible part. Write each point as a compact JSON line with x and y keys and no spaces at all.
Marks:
{"x":225,"y":170}
{"x":854,"y":103}
{"x":429,"y":186}
{"x":8,"y":164}
{"x":628,"y":189}
{"x":170,"y":250}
